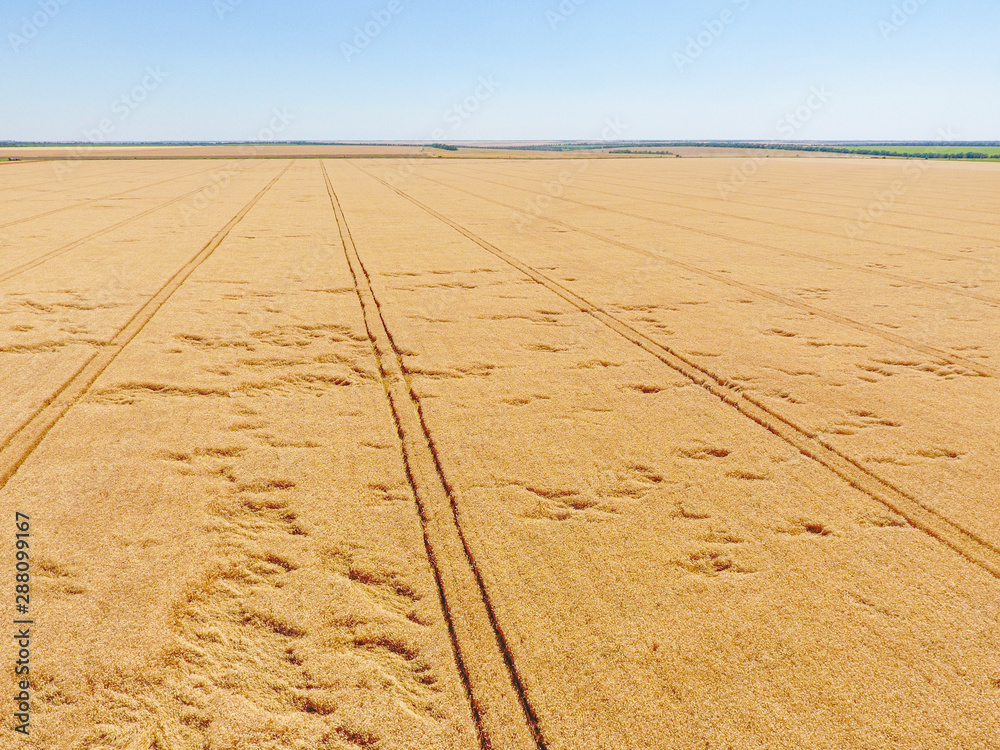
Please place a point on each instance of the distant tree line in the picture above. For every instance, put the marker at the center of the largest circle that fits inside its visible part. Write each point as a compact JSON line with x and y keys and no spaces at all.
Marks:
{"x":882,"y":152}
{"x":863,"y":148}
{"x":640,"y":151}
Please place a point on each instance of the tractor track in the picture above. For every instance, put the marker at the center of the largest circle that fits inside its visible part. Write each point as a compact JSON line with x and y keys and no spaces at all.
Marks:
{"x":993,"y":301}
{"x":726,"y":215}
{"x":30,"y":434}
{"x":942,"y":356}
{"x":91,"y":201}
{"x":45,"y":257}
{"x":502,"y":713}
{"x":919,"y":515}
{"x":781,"y":192}
{"x":65,"y":188}
{"x":639,"y":185}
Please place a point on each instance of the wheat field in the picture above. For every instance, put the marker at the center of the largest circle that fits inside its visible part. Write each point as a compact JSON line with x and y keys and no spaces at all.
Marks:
{"x":458,"y":453}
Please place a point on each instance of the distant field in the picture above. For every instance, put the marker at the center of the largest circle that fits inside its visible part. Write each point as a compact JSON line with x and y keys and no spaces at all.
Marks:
{"x":953,"y":150}
{"x":526,"y":454}
{"x":520,"y":151}
{"x":221,"y":151}
{"x":280,"y":150}
{"x":992,"y":152}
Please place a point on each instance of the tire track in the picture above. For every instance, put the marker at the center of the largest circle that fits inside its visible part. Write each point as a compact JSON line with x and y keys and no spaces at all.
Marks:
{"x":29,"y":435}
{"x":66,"y":188}
{"x":941,"y":355}
{"x":502,"y":713}
{"x":638,"y":184}
{"x":993,"y":301}
{"x":781,"y":190}
{"x":919,"y":515}
{"x":870,"y":186}
{"x":102,"y":198}
{"x":724,"y":214}
{"x":91,"y":180}
{"x":28,"y":265}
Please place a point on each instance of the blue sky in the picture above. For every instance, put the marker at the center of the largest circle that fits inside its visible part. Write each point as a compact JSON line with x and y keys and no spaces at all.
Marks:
{"x":445,"y":70}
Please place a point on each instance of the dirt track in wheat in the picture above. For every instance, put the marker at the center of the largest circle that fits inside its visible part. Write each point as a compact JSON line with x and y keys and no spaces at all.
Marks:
{"x":412,"y":453}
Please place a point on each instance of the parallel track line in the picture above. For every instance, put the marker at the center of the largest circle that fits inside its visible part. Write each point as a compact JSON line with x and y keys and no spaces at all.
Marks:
{"x":503,"y":715}
{"x":64,"y":189}
{"x":723,"y":214}
{"x":781,"y":191}
{"x":638,"y":184}
{"x":34,"y":262}
{"x":919,"y":515}
{"x":102,"y":198}
{"x":938,"y":354}
{"x":29,"y":435}
{"x":993,"y":301}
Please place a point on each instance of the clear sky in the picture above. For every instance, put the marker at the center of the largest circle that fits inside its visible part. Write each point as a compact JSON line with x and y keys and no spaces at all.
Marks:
{"x":512,"y":69}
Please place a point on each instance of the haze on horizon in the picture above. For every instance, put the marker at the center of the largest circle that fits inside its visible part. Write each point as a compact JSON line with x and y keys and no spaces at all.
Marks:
{"x":393,"y":70}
